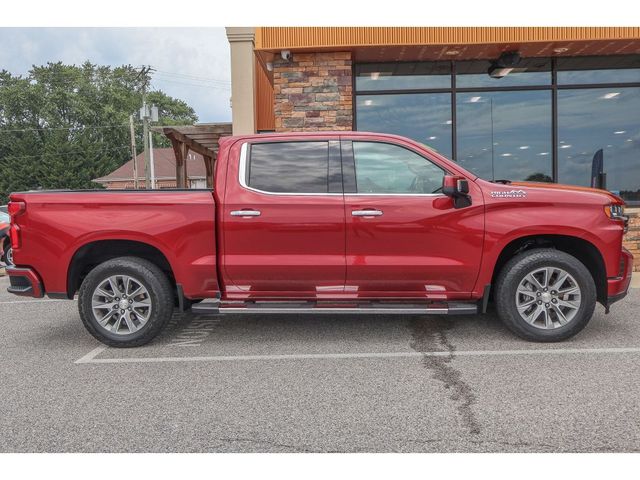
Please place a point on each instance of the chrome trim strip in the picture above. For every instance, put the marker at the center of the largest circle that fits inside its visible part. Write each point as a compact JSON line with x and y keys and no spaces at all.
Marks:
{"x":242,"y":179}
{"x":338,"y":310}
{"x":394,"y":195}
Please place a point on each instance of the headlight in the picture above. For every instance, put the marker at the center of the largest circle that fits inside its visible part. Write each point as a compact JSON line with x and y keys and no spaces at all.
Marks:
{"x":616,"y":212}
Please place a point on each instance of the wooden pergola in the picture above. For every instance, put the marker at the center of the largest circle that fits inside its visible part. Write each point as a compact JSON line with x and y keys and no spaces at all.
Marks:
{"x":202,"y":139}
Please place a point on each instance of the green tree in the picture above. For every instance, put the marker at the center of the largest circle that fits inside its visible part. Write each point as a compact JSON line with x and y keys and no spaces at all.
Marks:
{"x":63,"y":125}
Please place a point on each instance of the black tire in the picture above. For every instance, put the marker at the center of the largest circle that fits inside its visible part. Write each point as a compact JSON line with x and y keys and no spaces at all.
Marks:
{"x":526,"y":262}
{"x":160,"y":293}
{"x":187,"y":303}
{"x":6,"y":255}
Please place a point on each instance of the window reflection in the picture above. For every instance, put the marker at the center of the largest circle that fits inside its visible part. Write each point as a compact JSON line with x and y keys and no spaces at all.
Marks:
{"x":289,"y":167}
{"x":530,"y":71}
{"x":403,"y":76}
{"x":505,"y":135}
{"x":611,"y":69}
{"x":424,"y":117}
{"x":600,"y":118}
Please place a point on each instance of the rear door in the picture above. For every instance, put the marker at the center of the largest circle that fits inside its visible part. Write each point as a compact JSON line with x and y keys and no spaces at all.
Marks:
{"x":283,"y":220}
{"x":404,"y":238}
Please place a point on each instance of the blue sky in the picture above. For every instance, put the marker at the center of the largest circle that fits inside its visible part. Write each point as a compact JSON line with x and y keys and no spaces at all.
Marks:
{"x":192,"y":63}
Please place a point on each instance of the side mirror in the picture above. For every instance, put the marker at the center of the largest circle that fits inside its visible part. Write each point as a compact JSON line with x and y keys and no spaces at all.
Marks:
{"x":457,"y":188}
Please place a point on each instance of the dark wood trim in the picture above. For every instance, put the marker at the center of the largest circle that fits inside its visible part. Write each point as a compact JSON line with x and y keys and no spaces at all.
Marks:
{"x":208,"y":165}
{"x":193,"y":145}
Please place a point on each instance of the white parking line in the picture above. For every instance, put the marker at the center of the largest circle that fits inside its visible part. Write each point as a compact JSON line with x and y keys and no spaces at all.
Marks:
{"x":12,"y":302}
{"x":91,"y":356}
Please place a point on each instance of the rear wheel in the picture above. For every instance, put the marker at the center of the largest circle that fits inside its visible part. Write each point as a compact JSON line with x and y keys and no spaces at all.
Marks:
{"x":545,"y":295}
{"x":125,"y":302}
{"x":7,"y":256}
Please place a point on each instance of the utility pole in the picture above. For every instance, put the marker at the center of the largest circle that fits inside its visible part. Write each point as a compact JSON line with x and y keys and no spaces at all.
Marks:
{"x":145,"y":115}
{"x":145,"y":136}
{"x":153,"y":164}
{"x":133,"y":153}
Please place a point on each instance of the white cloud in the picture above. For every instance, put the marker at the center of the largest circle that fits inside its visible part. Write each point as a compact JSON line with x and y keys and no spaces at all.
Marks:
{"x":193,"y":63}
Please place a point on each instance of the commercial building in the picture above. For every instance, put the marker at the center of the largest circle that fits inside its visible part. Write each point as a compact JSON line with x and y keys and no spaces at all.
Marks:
{"x":531,"y":103}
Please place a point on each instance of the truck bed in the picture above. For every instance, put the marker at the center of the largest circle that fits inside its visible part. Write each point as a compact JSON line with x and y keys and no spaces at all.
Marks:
{"x":59,"y":227}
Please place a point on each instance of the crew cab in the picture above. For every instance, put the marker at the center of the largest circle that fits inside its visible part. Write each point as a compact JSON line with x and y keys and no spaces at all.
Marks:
{"x":325,"y":223}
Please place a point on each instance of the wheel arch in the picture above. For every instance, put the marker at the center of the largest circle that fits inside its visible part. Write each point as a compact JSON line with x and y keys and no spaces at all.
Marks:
{"x":91,"y":254}
{"x":586,"y":252}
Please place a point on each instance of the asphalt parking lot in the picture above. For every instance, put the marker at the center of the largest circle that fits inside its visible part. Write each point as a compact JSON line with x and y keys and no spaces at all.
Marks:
{"x":317,"y":384}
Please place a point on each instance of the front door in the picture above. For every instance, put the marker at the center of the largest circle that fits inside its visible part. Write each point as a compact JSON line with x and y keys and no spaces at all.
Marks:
{"x":283,"y":220}
{"x":404,"y":238}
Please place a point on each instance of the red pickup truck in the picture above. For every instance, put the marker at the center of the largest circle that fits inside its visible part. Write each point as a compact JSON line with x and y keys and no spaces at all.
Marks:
{"x":332,"y":223}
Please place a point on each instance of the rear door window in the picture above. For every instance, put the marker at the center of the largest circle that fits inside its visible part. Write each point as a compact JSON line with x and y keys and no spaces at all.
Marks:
{"x":289,"y":167}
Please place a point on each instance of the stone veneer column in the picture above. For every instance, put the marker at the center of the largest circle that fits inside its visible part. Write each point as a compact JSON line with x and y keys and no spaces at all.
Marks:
{"x":313,"y":92}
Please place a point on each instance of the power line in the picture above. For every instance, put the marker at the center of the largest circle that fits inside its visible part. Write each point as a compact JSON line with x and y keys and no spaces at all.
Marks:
{"x":81,"y":73}
{"x":195,"y":77}
{"x":2,"y":130}
{"x":189,"y":79}
{"x":193,"y":84}
{"x":114,"y":149}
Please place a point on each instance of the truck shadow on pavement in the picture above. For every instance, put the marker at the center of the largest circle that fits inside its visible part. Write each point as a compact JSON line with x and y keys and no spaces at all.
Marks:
{"x":352,"y":330}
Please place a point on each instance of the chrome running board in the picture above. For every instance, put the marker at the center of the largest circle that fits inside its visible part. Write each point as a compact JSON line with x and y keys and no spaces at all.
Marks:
{"x":336,"y":308}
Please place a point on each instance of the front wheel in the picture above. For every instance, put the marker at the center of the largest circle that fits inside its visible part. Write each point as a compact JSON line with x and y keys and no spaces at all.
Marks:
{"x":545,"y":295}
{"x":125,"y":302}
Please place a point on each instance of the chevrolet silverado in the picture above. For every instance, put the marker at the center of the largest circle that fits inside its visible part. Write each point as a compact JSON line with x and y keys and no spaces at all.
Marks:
{"x":325,"y":223}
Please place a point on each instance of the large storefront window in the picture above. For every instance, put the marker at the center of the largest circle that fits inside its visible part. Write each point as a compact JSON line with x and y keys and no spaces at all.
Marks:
{"x":503,"y":128}
{"x":424,"y":117}
{"x":505,"y":135}
{"x":606,"y":119}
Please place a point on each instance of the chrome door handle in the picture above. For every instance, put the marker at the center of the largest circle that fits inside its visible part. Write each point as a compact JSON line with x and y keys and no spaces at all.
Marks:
{"x":245,"y":213}
{"x":366,"y":213}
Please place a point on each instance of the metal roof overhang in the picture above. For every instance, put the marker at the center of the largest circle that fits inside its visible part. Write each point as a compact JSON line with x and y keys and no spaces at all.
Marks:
{"x":202,"y":138}
{"x":411,"y":44}
{"x":384,"y":44}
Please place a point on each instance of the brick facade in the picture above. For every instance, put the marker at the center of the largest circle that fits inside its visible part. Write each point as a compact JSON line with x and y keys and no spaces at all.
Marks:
{"x":632,"y":238}
{"x":313,"y":92}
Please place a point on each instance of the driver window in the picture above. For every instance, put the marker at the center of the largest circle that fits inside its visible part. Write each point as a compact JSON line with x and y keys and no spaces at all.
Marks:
{"x":386,"y":168}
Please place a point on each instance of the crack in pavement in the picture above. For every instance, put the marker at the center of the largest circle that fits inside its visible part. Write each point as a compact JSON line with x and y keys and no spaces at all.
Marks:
{"x":522,"y":443}
{"x":429,"y":335}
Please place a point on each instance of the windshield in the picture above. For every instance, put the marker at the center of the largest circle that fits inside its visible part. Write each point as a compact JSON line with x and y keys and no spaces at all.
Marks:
{"x":4,"y":218}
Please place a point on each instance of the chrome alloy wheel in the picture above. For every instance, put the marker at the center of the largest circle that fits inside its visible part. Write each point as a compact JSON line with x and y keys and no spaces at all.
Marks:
{"x":548,"y":298}
{"x":121,"y":304}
